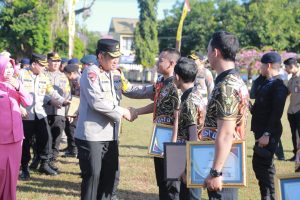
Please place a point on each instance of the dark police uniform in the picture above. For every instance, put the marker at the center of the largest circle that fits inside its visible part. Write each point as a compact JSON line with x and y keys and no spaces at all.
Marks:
{"x":266,"y":114}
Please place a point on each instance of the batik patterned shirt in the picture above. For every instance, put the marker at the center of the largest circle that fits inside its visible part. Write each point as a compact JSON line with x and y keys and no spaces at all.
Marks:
{"x":192,"y":112}
{"x":166,"y":101}
{"x":229,"y":101}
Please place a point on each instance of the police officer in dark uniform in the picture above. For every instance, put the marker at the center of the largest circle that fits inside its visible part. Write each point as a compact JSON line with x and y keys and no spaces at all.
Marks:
{"x":267,"y":110}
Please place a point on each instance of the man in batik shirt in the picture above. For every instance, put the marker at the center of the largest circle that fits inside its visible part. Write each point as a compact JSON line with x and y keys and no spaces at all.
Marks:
{"x":226,"y":115}
{"x":191,"y":114}
{"x":165,"y":111}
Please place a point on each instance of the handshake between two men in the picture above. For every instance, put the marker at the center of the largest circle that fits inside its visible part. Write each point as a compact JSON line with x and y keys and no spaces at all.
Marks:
{"x":130,"y":114}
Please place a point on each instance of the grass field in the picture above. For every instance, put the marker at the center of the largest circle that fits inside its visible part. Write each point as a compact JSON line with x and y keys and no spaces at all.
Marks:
{"x":137,"y":169}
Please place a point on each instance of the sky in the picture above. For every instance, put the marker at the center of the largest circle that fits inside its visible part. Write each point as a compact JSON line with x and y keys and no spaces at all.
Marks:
{"x":103,"y":10}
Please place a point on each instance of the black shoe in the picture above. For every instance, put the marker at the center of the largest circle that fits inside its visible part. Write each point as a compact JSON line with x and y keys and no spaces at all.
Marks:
{"x":281,"y":158}
{"x":70,"y":153}
{"x":53,"y":166}
{"x":292,"y":159}
{"x":46,"y":169}
{"x":35,"y":163}
{"x":25,"y":175}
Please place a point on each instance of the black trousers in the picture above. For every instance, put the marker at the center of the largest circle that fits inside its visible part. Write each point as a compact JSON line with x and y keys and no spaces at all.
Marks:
{"x":98,"y":163}
{"x":70,"y":130}
{"x":41,"y":130}
{"x":264,"y":170}
{"x":57,"y":124}
{"x":294,"y":120}
{"x":225,"y":194}
{"x":168,"y":190}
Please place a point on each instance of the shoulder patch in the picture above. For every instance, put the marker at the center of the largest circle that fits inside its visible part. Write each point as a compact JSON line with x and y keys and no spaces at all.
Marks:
{"x":92,"y":76}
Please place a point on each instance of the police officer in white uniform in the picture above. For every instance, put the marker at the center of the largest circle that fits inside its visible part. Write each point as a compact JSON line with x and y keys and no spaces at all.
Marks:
{"x":56,"y":116}
{"x":35,"y":118}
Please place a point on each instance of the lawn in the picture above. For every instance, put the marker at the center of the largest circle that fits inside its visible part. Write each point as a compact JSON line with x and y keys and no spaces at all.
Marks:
{"x":137,"y":169}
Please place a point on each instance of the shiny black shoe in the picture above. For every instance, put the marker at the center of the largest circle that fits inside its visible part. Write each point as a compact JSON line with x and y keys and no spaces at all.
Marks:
{"x":46,"y":169}
{"x":25,"y":175}
{"x":35,"y":163}
{"x":70,"y":153}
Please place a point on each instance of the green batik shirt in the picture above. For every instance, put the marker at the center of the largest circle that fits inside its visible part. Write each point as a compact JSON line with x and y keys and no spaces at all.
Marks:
{"x":229,"y":101}
{"x":166,"y":101}
{"x":192,"y":112}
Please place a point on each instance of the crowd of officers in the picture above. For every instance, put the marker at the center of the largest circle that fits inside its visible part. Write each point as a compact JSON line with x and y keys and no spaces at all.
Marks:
{"x":93,"y":130}
{"x":51,"y":81}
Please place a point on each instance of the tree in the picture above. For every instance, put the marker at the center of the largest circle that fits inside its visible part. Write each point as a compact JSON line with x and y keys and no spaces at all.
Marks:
{"x":145,"y":35}
{"x":25,"y":25}
{"x":268,"y":23}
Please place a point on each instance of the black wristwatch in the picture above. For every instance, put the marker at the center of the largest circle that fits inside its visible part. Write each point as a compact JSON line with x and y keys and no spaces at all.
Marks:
{"x":215,"y":173}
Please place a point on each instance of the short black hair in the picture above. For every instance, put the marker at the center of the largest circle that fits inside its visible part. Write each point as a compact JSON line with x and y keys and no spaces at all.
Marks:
{"x":290,"y":61}
{"x":227,"y":43}
{"x":186,"y":69}
{"x":173,"y":54}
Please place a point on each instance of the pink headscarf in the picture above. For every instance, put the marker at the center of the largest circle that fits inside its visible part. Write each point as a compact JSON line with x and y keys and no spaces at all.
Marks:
{"x":3,"y":63}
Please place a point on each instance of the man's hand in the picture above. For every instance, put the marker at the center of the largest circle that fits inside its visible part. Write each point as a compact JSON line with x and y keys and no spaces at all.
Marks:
{"x":66,"y":103}
{"x":213,"y":183}
{"x":183,"y":177}
{"x":263,"y":141}
{"x":134,"y":113}
{"x":126,"y":114}
{"x":24,"y":113}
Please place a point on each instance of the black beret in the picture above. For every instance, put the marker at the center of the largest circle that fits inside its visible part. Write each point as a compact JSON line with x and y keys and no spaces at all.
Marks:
{"x":71,"y":68}
{"x":271,"y":57}
{"x":110,"y":46}
{"x":41,"y":59}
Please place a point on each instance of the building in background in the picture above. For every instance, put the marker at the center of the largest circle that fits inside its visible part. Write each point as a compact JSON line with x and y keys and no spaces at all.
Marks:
{"x":122,"y":29}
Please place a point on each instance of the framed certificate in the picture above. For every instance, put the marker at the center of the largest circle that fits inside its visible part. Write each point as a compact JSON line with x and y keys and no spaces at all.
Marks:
{"x":161,"y":134}
{"x":287,"y":186}
{"x":200,"y":157}
{"x":175,"y":160}
{"x":73,"y":107}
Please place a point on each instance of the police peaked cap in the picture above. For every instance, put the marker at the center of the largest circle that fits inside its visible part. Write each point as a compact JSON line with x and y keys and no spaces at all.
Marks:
{"x":110,"y":46}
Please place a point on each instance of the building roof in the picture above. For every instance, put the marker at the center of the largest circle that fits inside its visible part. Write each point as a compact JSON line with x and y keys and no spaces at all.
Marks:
{"x":123,"y":25}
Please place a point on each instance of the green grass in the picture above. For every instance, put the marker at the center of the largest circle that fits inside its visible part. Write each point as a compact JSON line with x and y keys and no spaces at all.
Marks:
{"x":137,"y":169}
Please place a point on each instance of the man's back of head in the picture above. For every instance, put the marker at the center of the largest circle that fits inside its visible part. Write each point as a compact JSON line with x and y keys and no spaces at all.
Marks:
{"x":226,"y":43}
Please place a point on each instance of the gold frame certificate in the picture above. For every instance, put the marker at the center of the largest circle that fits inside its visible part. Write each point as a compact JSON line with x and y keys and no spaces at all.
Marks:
{"x":287,"y":186}
{"x":73,"y":107}
{"x":200,"y":157}
{"x":161,"y":134}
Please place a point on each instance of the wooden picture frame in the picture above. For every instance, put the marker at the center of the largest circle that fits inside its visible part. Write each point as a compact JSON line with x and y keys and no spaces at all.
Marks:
{"x":287,"y":186}
{"x":161,"y":134}
{"x":198,"y":167}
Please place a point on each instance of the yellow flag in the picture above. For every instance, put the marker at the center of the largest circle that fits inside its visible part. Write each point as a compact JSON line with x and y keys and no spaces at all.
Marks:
{"x":185,"y":10}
